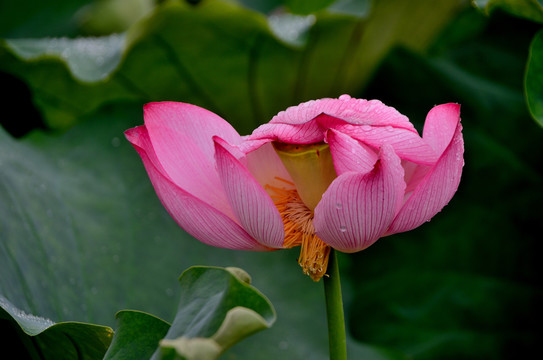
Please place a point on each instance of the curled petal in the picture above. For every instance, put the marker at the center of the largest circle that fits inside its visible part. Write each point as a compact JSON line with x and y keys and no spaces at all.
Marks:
{"x":440,"y":126}
{"x":307,"y":133}
{"x":435,"y":190}
{"x":353,"y":111}
{"x":357,"y":208}
{"x":251,"y":204}
{"x":196,"y":217}
{"x":406,"y":142}
{"x":350,"y":154}
{"x":439,"y":129}
{"x":139,"y":138}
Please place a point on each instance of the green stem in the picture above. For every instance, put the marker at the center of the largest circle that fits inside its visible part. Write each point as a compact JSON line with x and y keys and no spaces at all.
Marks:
{"x":334,"y":310}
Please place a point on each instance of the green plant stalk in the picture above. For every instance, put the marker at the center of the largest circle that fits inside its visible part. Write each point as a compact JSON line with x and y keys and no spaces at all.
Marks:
{"x":334,"y":310}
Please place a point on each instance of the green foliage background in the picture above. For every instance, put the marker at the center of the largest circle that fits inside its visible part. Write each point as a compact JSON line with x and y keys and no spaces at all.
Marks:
{"x":83,"y":236}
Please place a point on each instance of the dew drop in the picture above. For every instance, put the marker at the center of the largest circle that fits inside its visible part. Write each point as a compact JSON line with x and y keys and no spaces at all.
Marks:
{"x":342,"y":228}
{"x":345,"y":97}
{"x":339,"y":206}
{"x":116,"y":142}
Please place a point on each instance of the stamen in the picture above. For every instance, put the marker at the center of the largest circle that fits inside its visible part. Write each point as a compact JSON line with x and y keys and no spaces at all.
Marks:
{"x":299,"y":231}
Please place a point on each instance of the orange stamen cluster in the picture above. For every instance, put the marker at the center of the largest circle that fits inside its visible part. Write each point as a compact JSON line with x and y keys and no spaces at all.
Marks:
{"x":299,"y":231}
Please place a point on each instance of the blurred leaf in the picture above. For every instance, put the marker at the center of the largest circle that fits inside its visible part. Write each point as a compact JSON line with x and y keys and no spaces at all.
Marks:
{"x":307,"y":7}
{"x":88,"y":59}
{"x":41,"y":338}
{"x":104,"y":17}
{"x":229,"y":59}
{"x":292,"y":29}
{"x":534,"y":79}
{"x":263,"y":6}
{"x":38,"y":18}
{"x":528,"y":9}
{"x":445,"y":315}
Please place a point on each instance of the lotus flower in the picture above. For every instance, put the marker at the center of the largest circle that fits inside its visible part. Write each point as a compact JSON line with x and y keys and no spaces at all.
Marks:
{"x":330,"y":173}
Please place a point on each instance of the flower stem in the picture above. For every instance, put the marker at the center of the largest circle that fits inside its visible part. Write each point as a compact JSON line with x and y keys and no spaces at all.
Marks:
{"x":334,"y":310}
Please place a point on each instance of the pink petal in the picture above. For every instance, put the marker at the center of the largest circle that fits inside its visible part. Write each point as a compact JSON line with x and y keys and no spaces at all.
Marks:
{"x":267,"y":168}
{"x":200,"y":124}
{"x":139,"y":138}
{"x":353,"y":111}
{"x":357,"y":208}
{"x":182,"y":139}
{"x":414,"y":174}
{"x":350,"y":154}
{"x":195,"y":216}
{"x":232,"y":149}
{"x":307,"y":133}
{"x":439,"y":129}
{"x":440,"y":126}
{"x":435,"y":190}
{"x":251,"y":204}
{"x":406,"y":143}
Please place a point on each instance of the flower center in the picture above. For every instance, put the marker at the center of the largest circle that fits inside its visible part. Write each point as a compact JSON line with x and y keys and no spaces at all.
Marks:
{"x":311,"y":168}
{"x":299,"y":231}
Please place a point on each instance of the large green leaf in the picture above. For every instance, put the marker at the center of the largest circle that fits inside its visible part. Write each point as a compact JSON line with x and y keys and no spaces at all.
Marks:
{"x":533,"y":80}
{"x":26,"y":336}
{"x":237,"y":62}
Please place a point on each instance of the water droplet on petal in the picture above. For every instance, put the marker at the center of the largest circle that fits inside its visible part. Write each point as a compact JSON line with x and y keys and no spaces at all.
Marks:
{"x":339,"y":206}
{"x":342,"y":228}
{"x":345,"y":97}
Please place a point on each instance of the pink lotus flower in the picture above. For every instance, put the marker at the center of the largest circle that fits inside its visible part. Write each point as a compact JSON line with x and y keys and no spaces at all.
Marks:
{"x":337,"y":173}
